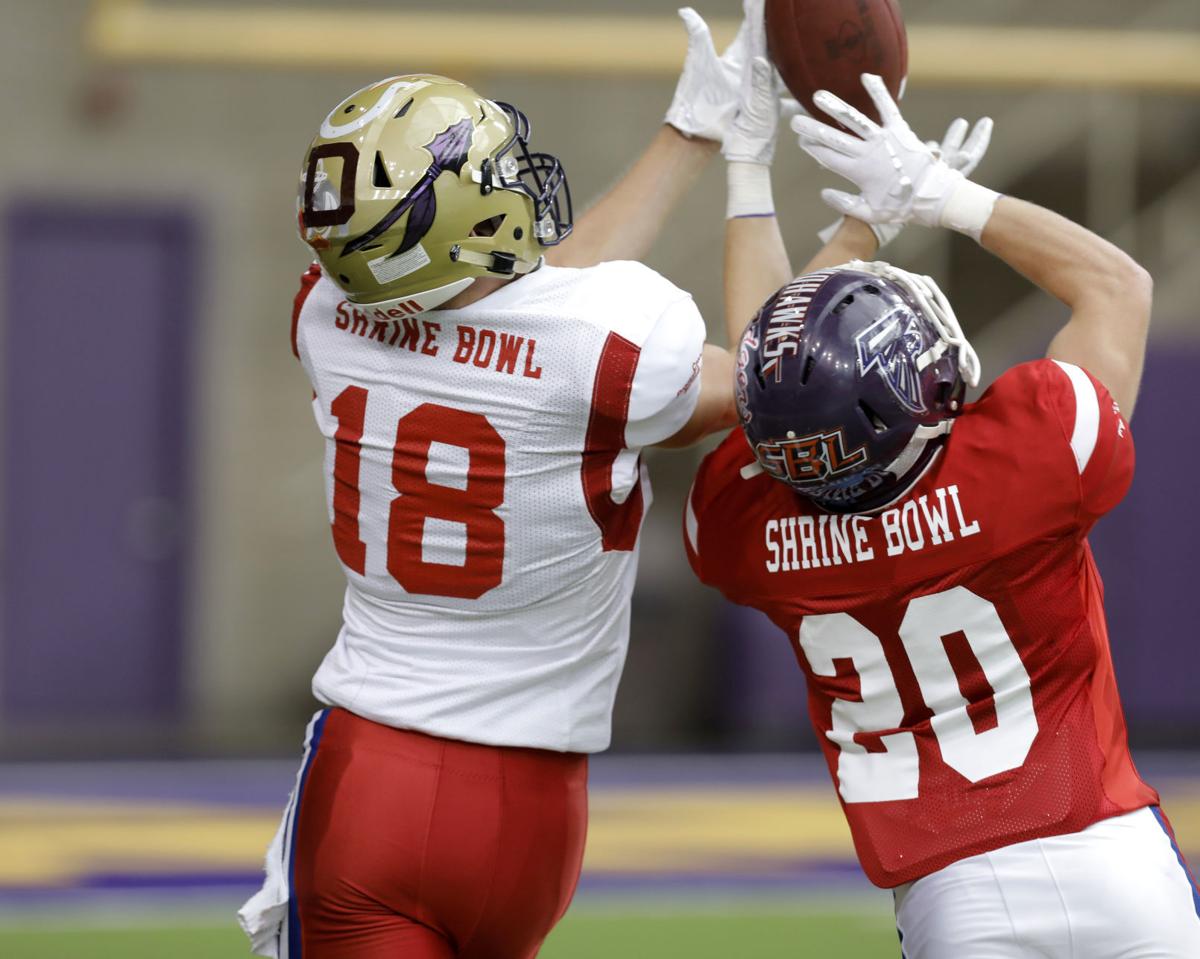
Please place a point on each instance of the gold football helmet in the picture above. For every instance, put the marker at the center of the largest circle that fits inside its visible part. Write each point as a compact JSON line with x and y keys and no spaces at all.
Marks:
{"x":416,"y":185}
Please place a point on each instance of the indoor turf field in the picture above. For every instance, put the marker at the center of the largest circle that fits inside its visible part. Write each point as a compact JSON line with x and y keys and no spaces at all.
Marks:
{"x":722,"y":931}
{"x":738,"y":857}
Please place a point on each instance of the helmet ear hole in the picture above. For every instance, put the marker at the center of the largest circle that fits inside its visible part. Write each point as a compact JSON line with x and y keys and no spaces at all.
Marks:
{"x":490,"y":226}
{"x":873,"y":418}
{"x":380,"y":178}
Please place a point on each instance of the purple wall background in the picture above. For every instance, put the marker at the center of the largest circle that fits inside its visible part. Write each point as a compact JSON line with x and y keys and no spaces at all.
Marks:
{"x":100,"y":309}
{"x":1148,"y":552}
{"x":99,"y":312}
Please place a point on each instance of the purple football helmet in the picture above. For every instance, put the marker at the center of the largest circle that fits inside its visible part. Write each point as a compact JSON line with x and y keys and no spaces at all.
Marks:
{"x":848,"y":381}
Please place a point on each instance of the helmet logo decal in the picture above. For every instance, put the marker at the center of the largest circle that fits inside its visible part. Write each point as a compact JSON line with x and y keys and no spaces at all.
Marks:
{"x":331,"y":130}
{"x":313,"y":218}
{"x":809,"y":459}
{"x":449,"y":150}
{"x":891,"y":346}
{"x":787,"y":312}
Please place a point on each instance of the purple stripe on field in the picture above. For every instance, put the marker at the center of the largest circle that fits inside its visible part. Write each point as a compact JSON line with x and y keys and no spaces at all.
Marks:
{"x":205,"y":880}
{"x":268,"y":782}
{"x":829,"y":874}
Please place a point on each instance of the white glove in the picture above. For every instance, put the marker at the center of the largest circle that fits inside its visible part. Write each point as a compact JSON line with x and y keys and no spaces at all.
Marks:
{"x":900,"y":178}
{"x":706,"y":95}
{"x":751,"y":137}
{"x":960,"y":156}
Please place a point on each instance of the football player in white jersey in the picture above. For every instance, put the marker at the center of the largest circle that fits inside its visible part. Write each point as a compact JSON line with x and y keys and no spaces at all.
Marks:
{"x":484,"y":406}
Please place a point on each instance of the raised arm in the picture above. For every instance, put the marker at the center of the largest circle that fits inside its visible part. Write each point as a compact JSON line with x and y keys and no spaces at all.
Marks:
{"x":903,"y":180}
{"x":624,"y":223}
{"x":1108,"y":292}
{"x":756,"y":263}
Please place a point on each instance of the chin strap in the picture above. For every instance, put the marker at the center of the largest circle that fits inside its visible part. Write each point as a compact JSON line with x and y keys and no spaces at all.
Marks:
{"x":500,"y":263}
{"x":900,"y":465}
{"x":936,"y":307}
{"x":751,"y":470}
{"x":916,"y":446}
{"x":420,"y":302}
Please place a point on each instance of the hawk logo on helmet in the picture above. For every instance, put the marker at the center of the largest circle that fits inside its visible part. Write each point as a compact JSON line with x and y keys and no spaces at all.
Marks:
{"x":809,"y":459}
{"x":892,"y":345}
{"x":449,"y":150}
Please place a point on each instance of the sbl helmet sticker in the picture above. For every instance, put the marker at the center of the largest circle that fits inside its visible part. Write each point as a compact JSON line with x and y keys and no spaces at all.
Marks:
{"x":810,"y":459}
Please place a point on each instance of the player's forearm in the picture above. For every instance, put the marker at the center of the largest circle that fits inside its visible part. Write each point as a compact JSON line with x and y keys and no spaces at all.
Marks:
{"x":625,"y":221}
{"x":715,"y":409}
{"x":1108,"y":292}
{"x":756,"y":265}
{"x":1068,"y":261}
{"x":854,"y":240}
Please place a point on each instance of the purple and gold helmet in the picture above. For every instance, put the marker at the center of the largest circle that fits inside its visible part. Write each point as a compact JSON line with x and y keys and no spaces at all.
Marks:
{"x":848,"y":381}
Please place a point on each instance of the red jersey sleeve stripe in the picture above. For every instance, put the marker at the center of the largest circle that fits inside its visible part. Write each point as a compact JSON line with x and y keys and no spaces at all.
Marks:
{"x":307,"y":282}
{"x":1087,"y":414}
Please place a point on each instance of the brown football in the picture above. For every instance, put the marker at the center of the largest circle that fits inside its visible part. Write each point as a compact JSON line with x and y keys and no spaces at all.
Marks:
{"x":828,"y":44}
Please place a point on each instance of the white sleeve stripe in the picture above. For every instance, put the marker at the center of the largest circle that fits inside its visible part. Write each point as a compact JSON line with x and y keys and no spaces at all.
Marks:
{"x":691,"y":525}
{"x":1087,"y":414}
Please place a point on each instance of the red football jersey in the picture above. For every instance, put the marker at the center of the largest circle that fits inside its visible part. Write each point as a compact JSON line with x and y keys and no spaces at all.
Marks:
{"x":954,"y":644}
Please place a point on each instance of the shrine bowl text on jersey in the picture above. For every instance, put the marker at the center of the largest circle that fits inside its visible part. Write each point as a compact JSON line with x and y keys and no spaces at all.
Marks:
{"x":954,"y":644}
{"x":486,"y":493}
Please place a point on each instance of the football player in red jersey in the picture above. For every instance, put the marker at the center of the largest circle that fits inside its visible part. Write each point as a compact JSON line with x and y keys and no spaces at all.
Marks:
{"x":928,"y":559}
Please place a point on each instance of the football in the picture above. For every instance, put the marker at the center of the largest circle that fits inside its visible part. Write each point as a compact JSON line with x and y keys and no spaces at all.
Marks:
{"x":829,"y":44}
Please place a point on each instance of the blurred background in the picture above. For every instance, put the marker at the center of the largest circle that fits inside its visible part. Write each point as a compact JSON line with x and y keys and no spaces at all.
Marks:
{"x":169,"y":584}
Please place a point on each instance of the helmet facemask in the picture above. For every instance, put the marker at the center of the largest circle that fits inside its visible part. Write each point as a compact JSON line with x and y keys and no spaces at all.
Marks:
{"x":539,"y":176}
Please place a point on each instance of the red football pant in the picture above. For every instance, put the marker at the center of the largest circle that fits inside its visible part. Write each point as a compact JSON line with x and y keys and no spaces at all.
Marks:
{"x":407,"y":845}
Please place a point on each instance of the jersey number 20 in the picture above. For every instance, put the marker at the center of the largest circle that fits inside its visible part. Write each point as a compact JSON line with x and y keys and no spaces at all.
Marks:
{"x":894,"y":773}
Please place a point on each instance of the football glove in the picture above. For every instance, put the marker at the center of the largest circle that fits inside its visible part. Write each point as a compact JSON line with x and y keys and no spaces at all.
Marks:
{"x":961,"y":153}
{"x":901,"y":178}
{"x":752,"y":134}
{"x":707,"y":92}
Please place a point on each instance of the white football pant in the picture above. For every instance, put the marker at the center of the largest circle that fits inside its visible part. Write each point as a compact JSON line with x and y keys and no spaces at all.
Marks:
{"x":1116,"y":890}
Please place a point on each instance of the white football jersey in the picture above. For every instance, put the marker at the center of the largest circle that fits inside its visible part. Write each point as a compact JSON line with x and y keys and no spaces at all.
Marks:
{"x":486,"y":494}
